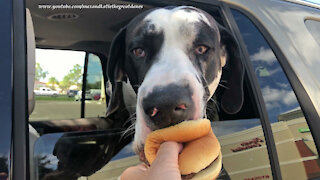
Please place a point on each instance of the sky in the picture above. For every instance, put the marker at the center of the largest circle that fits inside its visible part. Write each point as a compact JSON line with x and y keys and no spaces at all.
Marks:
{"x":313,"y":1}
{"x":58,"y":62}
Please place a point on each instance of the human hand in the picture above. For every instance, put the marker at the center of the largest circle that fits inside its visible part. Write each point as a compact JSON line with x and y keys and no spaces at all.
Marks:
{"x":165,"y":166}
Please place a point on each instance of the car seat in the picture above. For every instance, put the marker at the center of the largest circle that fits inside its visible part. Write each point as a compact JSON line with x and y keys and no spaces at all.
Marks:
{"x":31,"y":46}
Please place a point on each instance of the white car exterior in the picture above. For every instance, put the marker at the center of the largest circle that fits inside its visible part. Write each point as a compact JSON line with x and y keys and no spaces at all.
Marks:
{"x":44,"y":91}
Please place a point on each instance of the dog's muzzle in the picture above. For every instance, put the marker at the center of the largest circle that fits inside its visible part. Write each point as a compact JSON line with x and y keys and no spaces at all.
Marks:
{"x":169,"y":105}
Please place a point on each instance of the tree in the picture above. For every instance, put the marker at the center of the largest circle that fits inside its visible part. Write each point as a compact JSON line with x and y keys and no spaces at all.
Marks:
{"x":52,"y":82}
{"x":95,"y":85}
{"x":65,"y":83}
{"x":40,"y":73}
{"x":74,"y":77}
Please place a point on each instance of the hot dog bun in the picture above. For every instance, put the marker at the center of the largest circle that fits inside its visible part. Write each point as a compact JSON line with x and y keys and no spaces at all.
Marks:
{"x":201,"y":147}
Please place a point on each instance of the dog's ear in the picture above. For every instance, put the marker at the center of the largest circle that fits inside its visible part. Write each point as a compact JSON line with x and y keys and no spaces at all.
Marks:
{"x":115,"y":72}
{"x":233,"y":73}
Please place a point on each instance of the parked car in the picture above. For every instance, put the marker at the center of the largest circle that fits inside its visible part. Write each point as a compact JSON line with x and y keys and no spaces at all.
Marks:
{"x":92,"y":94}
{"x":274,"y":136}
{"x":72,"y":93}
{"x":95,"y":94}
{"x":44,"y":91}
{"x":78,"y":96}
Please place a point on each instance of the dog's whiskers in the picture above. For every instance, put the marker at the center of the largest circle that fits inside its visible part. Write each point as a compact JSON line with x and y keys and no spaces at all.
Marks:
{"x":128,"y":132}
{"x":224,"y":86}
{"x":131,"y":118}
{"x":215,"y":102}
{"x":131,"y":129}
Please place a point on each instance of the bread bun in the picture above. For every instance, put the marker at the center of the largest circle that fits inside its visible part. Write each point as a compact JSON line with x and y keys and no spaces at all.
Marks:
{"x":201,"y":147}
{"x":210,"y":172}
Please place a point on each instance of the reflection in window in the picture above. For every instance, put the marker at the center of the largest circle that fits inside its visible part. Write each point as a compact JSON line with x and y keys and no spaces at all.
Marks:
{"x":295,"y":146}
{"x":95,"y":88}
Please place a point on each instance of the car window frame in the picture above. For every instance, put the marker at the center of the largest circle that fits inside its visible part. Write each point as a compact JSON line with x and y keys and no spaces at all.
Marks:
{"x":84,"y":85}
{"x":309,"y":111}
{"x":257,"y":93}
{"x":19,"y":166}
{"x":84,"y":78}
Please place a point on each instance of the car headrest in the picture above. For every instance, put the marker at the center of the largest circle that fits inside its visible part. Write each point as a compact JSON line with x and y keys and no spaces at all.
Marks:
{"x":31,"y":46}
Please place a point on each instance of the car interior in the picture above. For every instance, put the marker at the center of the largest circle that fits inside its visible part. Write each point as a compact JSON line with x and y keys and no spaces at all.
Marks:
{"x":82,"y":146}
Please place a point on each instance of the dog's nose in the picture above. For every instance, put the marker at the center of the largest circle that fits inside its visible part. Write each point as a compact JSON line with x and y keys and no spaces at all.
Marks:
{"x":169,"y":105}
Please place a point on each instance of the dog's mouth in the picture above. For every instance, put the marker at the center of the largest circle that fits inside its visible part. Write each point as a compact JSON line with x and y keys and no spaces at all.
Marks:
{"x":164,"y":105}
{"x":142,"y":156}
{"x":149,"y":120}
{"x":139,"y":149}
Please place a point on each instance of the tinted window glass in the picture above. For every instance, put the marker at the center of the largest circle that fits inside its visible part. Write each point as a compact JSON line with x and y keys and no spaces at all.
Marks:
{"x":295,"y":146}
{"x":95,"y":89}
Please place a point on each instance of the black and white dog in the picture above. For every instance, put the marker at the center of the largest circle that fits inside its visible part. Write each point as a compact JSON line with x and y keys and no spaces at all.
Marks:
{"x":174,"y":58}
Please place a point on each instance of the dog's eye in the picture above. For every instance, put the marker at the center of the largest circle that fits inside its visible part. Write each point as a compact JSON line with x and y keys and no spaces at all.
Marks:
{"x":201,"y":49}
{"x":139,"y":52}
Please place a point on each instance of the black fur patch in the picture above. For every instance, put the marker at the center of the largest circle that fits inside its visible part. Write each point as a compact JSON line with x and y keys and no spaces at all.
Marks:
{"x":143,"y":36}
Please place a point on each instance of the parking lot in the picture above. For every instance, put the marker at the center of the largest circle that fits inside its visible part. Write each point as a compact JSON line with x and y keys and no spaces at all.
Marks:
{"x":57,"y":110}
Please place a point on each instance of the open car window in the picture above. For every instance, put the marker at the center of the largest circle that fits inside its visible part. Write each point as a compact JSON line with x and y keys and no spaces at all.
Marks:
{"x":103,"y":150}
{"x":58,"y":78}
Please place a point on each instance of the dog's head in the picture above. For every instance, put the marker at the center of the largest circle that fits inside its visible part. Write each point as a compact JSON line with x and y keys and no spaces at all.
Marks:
{"x":173,"y":58}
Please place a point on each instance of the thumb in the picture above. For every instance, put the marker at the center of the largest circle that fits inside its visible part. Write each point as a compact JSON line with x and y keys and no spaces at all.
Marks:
{"x":165,"y":166}
{"x":167,"y":155}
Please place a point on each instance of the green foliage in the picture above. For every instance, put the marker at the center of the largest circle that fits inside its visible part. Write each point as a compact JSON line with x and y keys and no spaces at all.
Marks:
{"x":40,"y":73}
{"x":52,"y":82}
{"x":75,"y":74}
{"x":72,"y":78}
{"x":95,"y":85}
{"x":54,"y":98}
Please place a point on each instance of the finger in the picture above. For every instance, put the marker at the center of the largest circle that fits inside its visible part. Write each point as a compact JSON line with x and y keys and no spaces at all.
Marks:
{"x":168,"y":154}
{"x":166,"y":162}
{"x":134,"y":173}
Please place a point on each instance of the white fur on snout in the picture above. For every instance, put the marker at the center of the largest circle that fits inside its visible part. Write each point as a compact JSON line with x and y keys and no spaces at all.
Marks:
{"x":173,"y":67}
{"x":213,"y":86}
{"x":172,"y":64}
{"x":162,"y":74}
{"x":141,"y":130}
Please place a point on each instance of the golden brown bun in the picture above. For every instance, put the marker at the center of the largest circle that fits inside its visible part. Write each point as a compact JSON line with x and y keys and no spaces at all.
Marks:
{"x":201,"y":145}
{"x":210,"y":172}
